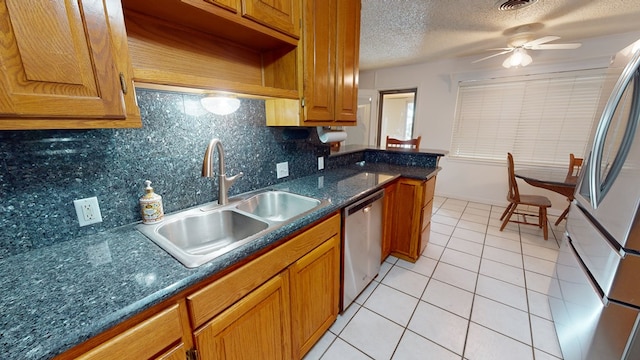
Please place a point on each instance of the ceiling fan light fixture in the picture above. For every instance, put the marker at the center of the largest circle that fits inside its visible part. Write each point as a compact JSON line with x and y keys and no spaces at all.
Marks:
{"x":519,"y":58}
{"x":220,"y":105}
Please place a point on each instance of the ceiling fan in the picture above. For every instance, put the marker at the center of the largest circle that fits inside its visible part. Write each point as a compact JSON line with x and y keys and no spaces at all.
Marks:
{"x":519,"y":45}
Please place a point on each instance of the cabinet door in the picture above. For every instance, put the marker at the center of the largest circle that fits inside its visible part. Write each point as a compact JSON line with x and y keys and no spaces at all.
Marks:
{"x":58,"y":61}
{"x":319,"y":59}
{"x":231,"y":5}
{"x":282,"y":15}
{"x":315,"y":294}
{"x":256,"y":327}
{"x":347,"y":60}
{"x":405,"y":241}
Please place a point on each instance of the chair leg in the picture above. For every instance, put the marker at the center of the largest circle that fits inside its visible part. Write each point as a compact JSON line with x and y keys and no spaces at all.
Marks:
{"x":543,"y":219}
{"x":540,"y":217}
{"x":512,"y":207}
{"x":563,"y":215}
{"x":506,"y":210}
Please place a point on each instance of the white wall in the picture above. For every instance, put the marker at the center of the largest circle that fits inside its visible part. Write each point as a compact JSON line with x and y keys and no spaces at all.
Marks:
{"x":366,"y":131}
{"x":436,"y":102}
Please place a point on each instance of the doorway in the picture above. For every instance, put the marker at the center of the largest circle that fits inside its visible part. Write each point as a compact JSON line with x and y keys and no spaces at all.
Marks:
{"x":396,"y":115}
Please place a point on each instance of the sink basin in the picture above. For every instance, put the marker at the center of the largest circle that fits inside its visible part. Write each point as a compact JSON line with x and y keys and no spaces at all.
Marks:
{"x":195,"y":237}
{"x":277,"y":206}
{"x":198,"y":235}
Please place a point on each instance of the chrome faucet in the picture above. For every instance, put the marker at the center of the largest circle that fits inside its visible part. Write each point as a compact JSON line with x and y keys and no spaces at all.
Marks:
{"x":224,"y":182}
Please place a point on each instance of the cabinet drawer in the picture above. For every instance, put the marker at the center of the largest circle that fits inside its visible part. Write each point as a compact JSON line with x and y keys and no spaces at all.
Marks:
{"x":426,"y":214}
{"x":177,"y":353}
{"x":424,"y":237}
{"x":214,"y":298}
{"x":143,"y":341}
{"x":429,"y":190}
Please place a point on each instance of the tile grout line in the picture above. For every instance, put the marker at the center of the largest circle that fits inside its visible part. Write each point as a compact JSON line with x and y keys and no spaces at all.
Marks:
{"x":475,"y":289}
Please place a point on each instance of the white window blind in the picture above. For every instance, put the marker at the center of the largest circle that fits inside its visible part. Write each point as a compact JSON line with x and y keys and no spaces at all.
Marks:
{"x":540,"y":119}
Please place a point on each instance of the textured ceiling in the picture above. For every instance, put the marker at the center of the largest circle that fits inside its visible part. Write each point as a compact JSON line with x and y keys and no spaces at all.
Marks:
{"x":398,"y":32}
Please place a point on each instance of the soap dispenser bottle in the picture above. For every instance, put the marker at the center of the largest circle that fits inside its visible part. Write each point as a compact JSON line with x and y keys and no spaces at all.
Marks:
{"x":151,"y":205}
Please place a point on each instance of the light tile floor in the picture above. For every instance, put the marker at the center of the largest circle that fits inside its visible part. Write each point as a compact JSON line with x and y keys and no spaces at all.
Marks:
{"x":475,"y":293}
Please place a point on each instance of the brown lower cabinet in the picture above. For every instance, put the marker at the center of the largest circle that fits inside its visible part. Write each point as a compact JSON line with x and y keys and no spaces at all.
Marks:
{"x":256,"y":327}
{"x":315,"y":295}
{"x":408,"y":218}
{"x":147,"y":340}
{"x":275,"y":306}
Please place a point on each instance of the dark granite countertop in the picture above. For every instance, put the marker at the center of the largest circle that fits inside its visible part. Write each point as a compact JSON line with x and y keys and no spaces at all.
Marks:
{"x":56,"y":297}
{"x":348,"y":149}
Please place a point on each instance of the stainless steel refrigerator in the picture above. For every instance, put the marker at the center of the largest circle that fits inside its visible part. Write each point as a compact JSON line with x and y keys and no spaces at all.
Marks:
{"x":595,"y":295}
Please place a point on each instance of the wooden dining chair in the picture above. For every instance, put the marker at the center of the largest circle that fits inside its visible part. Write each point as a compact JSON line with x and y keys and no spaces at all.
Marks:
{"x":515,"y":198}
{"x":575,"y":164}
{"x":404,"y":144}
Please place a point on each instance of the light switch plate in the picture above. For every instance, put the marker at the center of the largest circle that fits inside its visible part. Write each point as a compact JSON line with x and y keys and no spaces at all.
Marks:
{"x":282,"y":169}
{"x":320,"y":162}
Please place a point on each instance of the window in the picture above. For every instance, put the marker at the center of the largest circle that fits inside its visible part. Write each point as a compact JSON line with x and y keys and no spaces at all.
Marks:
{"x":540,"y":119}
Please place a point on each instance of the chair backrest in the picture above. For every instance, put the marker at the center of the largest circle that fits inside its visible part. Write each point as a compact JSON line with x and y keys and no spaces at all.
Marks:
{"x":575,"y":164}
{"x":405,"y":144}
{"x":514,"y":194}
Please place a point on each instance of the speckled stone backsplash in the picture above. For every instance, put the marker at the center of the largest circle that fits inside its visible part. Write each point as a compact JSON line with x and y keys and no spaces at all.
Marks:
{"x":42,"y":172}
{"x":400,"y":158}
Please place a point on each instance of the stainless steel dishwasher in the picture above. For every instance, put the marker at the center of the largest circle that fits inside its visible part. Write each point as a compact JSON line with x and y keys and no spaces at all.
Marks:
{"x":362,"y":245}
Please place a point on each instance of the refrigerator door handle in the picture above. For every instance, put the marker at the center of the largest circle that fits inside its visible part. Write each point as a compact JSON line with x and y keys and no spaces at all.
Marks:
{"x":592,"y":281}
{"x":592,"y":172}
{"x":595,"y":162}
{"x":607,"y":238}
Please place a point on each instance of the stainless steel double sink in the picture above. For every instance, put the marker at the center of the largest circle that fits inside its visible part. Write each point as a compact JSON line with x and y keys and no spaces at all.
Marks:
{"x":198,"y":235}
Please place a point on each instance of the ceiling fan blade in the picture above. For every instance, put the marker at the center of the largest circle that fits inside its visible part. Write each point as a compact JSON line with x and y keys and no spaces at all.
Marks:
{"x":494,"y":55}
{"x":542,"y":40}
{"x":556,"y":46}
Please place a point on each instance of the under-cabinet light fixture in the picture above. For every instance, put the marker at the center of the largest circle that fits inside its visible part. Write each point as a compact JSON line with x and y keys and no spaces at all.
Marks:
{"x":220,"y":105}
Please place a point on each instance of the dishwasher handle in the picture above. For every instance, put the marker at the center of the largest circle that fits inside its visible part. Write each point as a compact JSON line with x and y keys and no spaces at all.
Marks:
{"x":365,"y":203}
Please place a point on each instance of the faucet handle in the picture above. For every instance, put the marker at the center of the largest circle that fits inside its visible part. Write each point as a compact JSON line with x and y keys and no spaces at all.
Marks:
{"x":231,"y":179}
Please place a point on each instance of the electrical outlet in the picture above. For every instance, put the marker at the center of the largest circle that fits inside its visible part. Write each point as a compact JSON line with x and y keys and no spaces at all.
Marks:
{"x":320,"y":162}
{"x":88,"y":211}
{"x":282,"y":169}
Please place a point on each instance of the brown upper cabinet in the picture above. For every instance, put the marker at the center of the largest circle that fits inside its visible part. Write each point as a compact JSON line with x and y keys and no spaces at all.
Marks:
{"x":256,"y":24}
{"x":240,"y":46}
{"x":328,"y":68}
{"x":65,"y":65}
{"x":283,"y":16}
